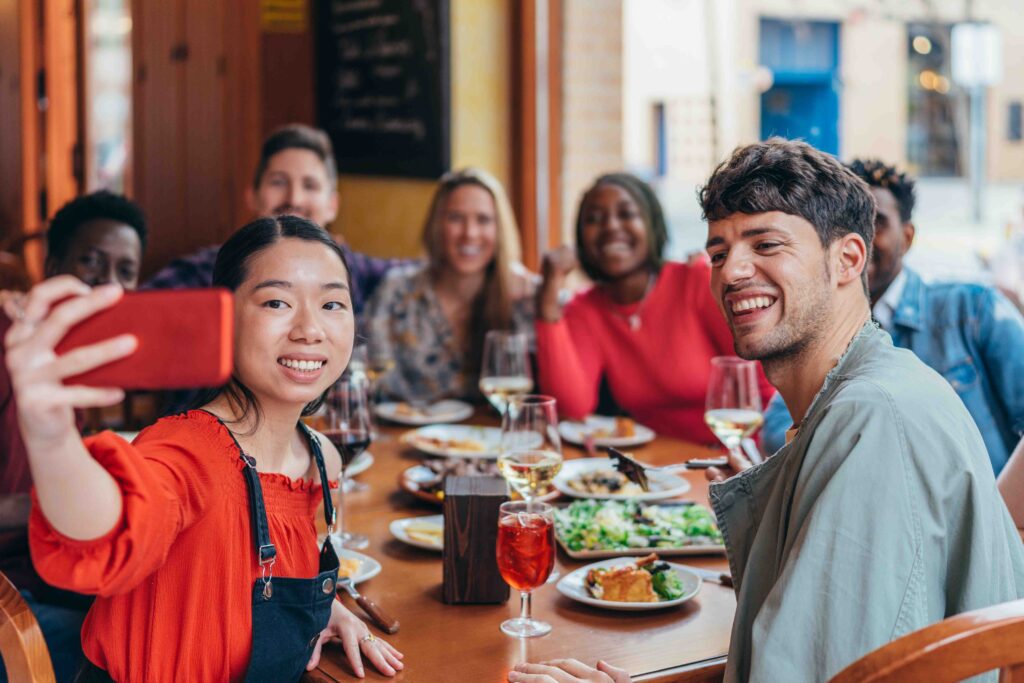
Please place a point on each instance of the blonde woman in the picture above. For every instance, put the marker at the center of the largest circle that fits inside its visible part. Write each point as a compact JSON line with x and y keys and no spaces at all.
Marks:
{"x":431,"y":317}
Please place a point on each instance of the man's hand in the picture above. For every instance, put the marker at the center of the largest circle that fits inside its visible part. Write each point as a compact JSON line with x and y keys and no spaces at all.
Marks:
{"x":737,"y":461}
{"x":567,"y":671}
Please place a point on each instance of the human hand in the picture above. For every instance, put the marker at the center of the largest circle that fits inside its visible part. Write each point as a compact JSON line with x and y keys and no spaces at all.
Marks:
{"x":357,"y":641}
{"x":737,"y":461}
{"x":567,"y":671}
{"x":40,"y":321}
{"x":557,"y":264}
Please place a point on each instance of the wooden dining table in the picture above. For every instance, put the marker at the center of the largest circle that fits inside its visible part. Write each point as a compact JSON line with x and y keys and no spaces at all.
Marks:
{"x":463,"y":643}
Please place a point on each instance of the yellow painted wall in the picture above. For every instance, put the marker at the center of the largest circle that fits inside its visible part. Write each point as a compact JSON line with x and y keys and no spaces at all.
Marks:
{"x":384,"y":216}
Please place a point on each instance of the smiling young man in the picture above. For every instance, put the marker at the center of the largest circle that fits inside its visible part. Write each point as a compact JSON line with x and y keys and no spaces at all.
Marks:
{"x":881,"y":514}
{"x":968,"y":333}
{"x":296,"y":175}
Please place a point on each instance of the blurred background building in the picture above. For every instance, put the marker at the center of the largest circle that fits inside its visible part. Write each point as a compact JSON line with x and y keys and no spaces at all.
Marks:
{"x":168,"y":101}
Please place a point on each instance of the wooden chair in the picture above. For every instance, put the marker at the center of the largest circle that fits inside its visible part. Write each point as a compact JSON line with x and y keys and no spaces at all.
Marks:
{"x":21,"y":642}
{"x":962,"y":646}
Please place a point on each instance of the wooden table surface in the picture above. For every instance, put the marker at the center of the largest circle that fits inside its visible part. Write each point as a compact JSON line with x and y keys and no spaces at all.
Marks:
{"x":463,"y":642}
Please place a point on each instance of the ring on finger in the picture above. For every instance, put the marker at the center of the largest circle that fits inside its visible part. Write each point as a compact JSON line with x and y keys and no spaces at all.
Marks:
{"x":369,"y":637}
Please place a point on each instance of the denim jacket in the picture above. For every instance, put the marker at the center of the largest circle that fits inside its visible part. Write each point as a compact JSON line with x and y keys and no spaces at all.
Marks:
{"x":879,"y":518}
{"x":971,"y":335}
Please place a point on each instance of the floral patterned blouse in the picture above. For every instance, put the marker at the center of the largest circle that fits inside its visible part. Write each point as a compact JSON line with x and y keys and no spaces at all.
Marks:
{"x":404,"y":321}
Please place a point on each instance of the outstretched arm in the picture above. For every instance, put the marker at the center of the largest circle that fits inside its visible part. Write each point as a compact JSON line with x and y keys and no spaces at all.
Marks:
{"x":79,"y":498}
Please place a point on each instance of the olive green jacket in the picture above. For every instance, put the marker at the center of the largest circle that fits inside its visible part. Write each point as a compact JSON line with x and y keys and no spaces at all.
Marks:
{"x":880,"y":517}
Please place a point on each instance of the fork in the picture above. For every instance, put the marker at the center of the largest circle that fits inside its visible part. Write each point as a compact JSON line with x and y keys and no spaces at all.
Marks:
{"x":637,"y":471}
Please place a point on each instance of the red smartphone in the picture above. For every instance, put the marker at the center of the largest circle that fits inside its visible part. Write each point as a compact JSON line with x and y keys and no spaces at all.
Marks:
{"x":186,"y":339}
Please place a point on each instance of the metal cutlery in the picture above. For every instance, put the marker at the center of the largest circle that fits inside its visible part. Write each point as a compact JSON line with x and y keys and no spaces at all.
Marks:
{"x":383,"y":620}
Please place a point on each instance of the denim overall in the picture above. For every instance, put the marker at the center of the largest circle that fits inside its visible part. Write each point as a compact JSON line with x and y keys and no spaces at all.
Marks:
{"x":287,"y":614}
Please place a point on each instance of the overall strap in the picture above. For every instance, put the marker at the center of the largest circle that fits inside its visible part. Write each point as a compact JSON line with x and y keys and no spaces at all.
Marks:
{"x":318,"y":456}
{"x":266,"y":553}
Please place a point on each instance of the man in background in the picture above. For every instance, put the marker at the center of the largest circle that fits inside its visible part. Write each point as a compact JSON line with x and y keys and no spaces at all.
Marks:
{"x":296,"y":175}
{"x":99,"y":238}
{"x":968,"y":333}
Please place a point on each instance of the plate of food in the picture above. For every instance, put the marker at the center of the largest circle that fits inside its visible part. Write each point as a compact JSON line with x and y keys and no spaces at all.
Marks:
{"x":618,"y":432}
{"x":597,"y":478}
{"x":422,"y":532}
{"x":646,"y":583}
{"x":595,"y":529}
{"x":357,"y":566}
{"x":455,"y":441}
{"x":362,"y":463}
{"x":426,"y":480}
{"x":428,"y":414}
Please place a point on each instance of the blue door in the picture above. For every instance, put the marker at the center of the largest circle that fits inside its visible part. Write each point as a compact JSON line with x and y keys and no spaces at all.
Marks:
{"x":803,"y":101}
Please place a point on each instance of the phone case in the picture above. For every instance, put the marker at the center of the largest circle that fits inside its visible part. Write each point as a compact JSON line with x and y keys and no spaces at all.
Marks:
{"x":185,"y":340}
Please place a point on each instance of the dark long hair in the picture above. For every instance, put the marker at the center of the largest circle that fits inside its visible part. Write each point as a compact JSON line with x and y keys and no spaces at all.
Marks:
{"x":231,"y":270}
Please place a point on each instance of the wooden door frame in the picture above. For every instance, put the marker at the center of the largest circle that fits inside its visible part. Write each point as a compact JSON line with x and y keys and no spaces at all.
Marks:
{"x":537,"y":125}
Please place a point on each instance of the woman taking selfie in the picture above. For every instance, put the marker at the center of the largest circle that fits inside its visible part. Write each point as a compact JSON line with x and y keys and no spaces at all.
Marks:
{"x":431,"y":318}
{"x":648,"y":327}
{"x":199,"y":537}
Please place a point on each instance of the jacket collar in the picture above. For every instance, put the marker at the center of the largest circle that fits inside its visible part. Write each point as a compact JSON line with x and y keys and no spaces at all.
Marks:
{"x":909,"y":312}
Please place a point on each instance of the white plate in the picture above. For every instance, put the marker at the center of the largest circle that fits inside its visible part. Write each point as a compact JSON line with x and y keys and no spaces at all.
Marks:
{"x":399,"y":529}
{"x":442,"y":411}
{"x":127,"y":436}
{"x":576,"y":432}
{"x":368,"y":567}
{"x":572,"y":586}
{"x":362,"y":463}
{"x":695,"y":549}
{"x":662,"y":485}
{"x":488,"y":437}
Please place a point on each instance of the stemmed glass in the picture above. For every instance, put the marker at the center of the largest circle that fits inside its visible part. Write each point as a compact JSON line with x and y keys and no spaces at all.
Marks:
{"x":350,"y":429}
{"x":526,"y":556}
{"x":530,"y":454}
{"x":505,"y":367}
{"x":733,"y":406}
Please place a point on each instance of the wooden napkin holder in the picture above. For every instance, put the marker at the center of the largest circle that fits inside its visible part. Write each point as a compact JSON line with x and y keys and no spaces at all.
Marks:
{"x":471,"y":573}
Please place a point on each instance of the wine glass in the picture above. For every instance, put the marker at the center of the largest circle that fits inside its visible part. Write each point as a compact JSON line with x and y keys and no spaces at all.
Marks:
{"x":733,"y":406}
{"x":530,"y":454}
{"x":526,"y":556}
{"x":350,"y":429}
{"x":505,"y":367}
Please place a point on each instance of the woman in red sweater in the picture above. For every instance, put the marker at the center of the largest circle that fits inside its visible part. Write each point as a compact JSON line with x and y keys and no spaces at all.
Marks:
{"x":199,"y":538}
{"x":648,"y":327}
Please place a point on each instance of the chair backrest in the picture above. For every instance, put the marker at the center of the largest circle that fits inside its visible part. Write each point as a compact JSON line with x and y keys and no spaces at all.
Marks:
{"x":962,"y":646}
{"x":21,"y":642}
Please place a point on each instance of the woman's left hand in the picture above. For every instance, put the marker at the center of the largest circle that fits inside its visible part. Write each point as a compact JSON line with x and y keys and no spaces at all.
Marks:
{"x":357,"y":641}
{"x":567,"y":671}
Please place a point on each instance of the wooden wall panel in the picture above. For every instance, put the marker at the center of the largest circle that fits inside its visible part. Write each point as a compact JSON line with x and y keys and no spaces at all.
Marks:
{"x":206,"y":214}
{"x":60,"y":45}
{"x":243,"y":114}
{"x":12,"y":204}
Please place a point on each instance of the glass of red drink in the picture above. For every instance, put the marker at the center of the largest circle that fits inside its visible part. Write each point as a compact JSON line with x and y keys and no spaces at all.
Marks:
{"x":526,"y":555}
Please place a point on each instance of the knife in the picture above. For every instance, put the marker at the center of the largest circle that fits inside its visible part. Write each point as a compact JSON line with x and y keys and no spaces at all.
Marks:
{"x":712,"y":576}
{"x":383,"y":621}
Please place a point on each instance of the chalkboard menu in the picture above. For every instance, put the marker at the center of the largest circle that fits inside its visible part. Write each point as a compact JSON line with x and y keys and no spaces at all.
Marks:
{"x":383,"y":84}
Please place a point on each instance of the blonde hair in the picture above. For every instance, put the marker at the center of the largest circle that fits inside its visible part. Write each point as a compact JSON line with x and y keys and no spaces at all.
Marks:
{"x":492,"y":309}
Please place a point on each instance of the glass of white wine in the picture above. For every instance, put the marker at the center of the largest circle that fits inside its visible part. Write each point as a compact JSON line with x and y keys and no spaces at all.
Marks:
{"x":531,"y":450}
{"x":505,"y":368}
{"x":733,"y":406}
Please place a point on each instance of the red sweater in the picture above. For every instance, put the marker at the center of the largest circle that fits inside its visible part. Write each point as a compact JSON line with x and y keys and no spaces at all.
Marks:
{"x":175,"y":575}
{"x":658,"y":373}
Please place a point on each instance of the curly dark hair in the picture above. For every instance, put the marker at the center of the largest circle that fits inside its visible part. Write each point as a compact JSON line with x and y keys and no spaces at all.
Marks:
{"x":297,"y":136}
{"x":792,"y":177}
{"x":91,"y":207}
{"x":877,"y":173}
{"x":650,"y":209}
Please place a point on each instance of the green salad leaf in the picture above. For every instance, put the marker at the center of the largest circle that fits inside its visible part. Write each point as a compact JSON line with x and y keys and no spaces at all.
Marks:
{"x":666,"y":584}
{"x":621,"y":525}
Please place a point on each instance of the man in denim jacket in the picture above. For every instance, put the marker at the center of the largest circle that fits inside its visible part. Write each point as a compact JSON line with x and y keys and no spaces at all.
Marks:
{"x":968,"y":333}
